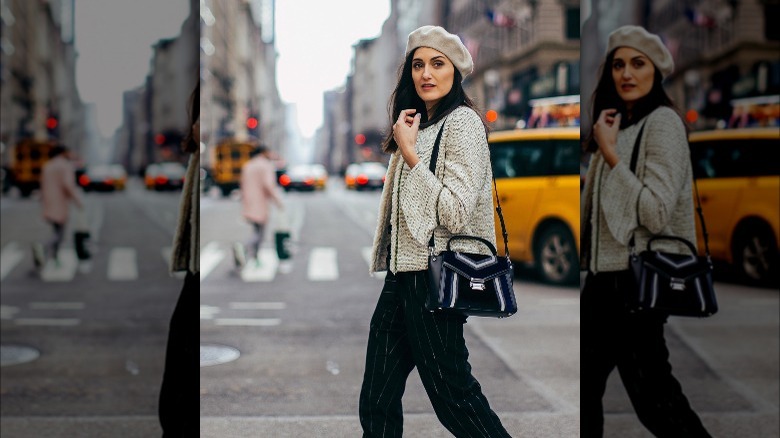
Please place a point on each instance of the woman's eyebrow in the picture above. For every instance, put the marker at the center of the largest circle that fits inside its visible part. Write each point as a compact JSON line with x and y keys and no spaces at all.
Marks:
{"x":631,"y":59}
{"x":435,"y":57}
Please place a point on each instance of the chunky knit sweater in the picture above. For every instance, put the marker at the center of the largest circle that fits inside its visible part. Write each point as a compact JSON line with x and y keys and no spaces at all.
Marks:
{"x":185,"y":255}
{"x":658,"y":200}
{"x":457,"y":198}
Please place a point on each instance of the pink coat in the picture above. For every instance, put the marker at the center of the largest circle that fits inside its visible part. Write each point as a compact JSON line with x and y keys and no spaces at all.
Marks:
{"x":258,"y":189}
{"x":58,"y":189}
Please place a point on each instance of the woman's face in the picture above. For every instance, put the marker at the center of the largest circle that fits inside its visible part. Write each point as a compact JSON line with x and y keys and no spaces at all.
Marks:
{"x":433,"y":75}
{"x":633,"y":73}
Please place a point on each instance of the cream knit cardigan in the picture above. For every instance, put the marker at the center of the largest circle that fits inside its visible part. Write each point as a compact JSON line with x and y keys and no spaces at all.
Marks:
{"x":657,"y":200}
{"x":185,"y":255}
{"x":458,"y":197}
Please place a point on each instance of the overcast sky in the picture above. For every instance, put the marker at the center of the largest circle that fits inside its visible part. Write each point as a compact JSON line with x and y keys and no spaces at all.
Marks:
{"x":113,"y":40}
{"x":314,"y":40}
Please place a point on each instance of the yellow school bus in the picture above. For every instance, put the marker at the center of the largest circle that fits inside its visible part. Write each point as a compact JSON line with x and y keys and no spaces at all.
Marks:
{"x":26,"y":163}
{"x":226,"y":159}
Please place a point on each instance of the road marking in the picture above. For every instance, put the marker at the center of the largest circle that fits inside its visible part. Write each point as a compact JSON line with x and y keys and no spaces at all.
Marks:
{"x":8,"y":312}
{"x":9,"y":258}
{"x":323,"y":265}
{"x":267,"y":269}
{"x":122,"y":264}
{"x":210,"y":256}
{"x":258,"y":306}
{"x":65,"y":271}
{"x":60,"y":322}
{"x":57,"y":306}
{"x":253,"y":322}
{"x":208,"y":312}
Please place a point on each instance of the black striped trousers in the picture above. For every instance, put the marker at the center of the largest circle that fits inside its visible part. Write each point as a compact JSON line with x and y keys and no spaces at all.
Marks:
{"x":635,"y":345}
{"x":403,"y":334}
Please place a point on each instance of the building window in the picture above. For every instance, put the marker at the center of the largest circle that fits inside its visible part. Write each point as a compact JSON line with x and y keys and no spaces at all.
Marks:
{"x":573,"y":23}
{"x":771,"y":29}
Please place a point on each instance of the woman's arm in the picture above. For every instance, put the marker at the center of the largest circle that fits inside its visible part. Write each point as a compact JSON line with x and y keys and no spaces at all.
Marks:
{"x":450,"y":201}
{"x":628,"y":202}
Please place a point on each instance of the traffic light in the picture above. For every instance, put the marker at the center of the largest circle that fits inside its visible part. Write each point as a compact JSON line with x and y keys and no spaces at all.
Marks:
{"x":360,"y":139}
{"x":52,"y":126}
{"x":253,"y":125}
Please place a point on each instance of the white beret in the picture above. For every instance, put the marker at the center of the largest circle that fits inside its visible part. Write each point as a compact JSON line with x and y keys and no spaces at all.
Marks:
{"x":439,"y":39}
{"x":640,"y":39}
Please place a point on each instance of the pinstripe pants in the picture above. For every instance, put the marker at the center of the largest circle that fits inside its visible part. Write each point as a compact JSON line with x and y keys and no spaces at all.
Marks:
{"x":403,"y":334}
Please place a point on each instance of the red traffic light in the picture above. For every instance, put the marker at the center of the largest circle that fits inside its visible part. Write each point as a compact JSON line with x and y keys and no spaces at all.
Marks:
{"x":251,"y":123}
{"x":360,"y":139}
{"x":51,"y":122}
{"x":159,"y":139}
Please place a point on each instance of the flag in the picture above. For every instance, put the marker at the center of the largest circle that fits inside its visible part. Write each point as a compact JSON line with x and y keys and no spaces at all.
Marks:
{"x":699,"y":19}
{"x":499,"y":19}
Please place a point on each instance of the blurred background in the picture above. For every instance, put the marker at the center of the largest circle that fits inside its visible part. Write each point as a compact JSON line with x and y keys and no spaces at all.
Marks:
{"x":726,"y":84}
{"x":283,"y":339}
{"x":84,"y":334}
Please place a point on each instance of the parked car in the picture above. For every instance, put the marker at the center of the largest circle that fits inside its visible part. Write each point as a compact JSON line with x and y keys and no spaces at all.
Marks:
{"x":738,"y":181}
{"x":362,"y":176}
{"x":165,"y":176}
{"x":303,"y":177}
{"x":103,"y":178}
{"x":537,"y":173}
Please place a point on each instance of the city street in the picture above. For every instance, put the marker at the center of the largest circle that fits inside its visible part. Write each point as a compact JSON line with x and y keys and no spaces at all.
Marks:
{"x":100,"y":331}
{"x":301,"y":330}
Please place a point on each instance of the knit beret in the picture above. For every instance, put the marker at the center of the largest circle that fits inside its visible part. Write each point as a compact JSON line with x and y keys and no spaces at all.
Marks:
{"x":640,"y":39}
{"x":439,"y":39}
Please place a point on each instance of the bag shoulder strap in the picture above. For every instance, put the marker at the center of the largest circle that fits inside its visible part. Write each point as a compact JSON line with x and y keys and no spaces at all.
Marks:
{"x":432,"y":168}
{"x":634,"y":158}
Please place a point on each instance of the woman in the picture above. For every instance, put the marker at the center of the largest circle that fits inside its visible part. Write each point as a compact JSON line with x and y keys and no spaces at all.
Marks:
{"x":416,"y":203}
{"x":179,"y":408}
{"x":618,"y":204}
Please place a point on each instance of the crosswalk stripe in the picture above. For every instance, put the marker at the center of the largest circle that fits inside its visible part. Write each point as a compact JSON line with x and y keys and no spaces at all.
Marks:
{"x":267,"y":269}
{"x":255,"y":322}
{"x":322,"y":264}
{"x":9,"y":258}
{"x":122,"y":264}
{"x":57,"y":306}
{"x":64,"y":271}
{"x":210,"y":256}
{"x":258,"y":306}
{"x":59,"y":322}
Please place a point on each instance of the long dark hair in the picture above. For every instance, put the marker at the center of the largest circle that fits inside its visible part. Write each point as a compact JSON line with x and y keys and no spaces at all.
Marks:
{"x":606,"y":96}
{"x":193,"y":109}
{"x":405,"y":96}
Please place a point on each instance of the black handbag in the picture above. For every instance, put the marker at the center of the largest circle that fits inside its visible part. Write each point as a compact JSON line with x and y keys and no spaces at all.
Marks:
{"x":674,"y":284}
{"x":470,"y":284}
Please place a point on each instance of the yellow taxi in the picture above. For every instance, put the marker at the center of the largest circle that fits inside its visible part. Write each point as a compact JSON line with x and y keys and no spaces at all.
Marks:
{"x":738,"y":177}
{"x":537,"y":173}
{"x":27,"y":160}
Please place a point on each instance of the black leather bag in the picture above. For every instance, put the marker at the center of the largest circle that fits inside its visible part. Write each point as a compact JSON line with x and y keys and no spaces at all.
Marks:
{"x":674,"y":284}
{"x":470,"y":284}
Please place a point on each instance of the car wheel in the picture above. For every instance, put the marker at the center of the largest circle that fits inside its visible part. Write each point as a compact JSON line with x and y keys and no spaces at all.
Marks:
{"x":755,"y":253}
{"x":555,"y":255}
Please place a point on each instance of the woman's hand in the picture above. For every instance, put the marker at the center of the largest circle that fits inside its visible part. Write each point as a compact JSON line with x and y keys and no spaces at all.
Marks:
{"x":605,"y":133}
{"x":405,"y":135}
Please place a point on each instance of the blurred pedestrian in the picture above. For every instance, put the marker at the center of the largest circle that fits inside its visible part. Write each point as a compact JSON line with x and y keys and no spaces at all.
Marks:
{"x":179,"y":405}
{"x":618,"y":204}
{"x":258,"y":191}
{"x":415,"y":205}
{"x":58,"y":191}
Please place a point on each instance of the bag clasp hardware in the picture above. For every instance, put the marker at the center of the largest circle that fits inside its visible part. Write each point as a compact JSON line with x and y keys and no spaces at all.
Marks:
{"x":677,"y":284}
{"x":477,"y":284}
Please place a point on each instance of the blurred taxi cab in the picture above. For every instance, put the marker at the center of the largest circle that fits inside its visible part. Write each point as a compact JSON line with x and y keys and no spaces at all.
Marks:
{"x":165,"y":176}
{"x":103,"y":177}
{"x":738,"y":178}
{"x":537,"y":173}
{"x":367,"y":175}
{"x":304,"y":177}
{"x":26,"y":164}
{"x":227,"y":158}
